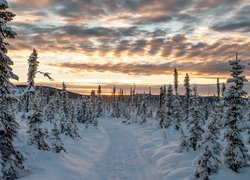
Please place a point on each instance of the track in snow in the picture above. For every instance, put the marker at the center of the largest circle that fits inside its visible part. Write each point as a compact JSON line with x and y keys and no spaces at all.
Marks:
{"x":122,"y":160}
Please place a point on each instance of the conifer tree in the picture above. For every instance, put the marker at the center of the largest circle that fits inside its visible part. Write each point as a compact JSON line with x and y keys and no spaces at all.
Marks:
{"x":116,"y":112}
{"x":187,"y":94}
{"x":49,"y":112}
{"x":70,"y":126}
{"x":218,"y":89}
{"x":223,"y":89}
{"x":160,"y":115}
{"x":81,"y":110}
{"x":37,"y":135}
{"x":144,"y":112}
{"x":183,"y":143}
{"x":11,"y":160}
{"x":99,"y":102}
{"x":64,"y":111}
{"x":57,"y":144}
{"x":168,"y":108}
{"x":32,"y":71}
{"x":176,"y":82}
{"x":209,"y":160}
{"x":235,"y":152}
{"x":195,"y":121}
{"x":177,"y":112}
{"x":33,"y":68}
{"x":91,"y":116}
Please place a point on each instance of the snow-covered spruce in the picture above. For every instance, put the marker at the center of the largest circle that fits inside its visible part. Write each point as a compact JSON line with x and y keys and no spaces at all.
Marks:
{"x":160,"y":114}
{"x":209,"y":160}
{"x":33,"y":67}
{"x":99,"y":108}
{"x":195,"y":129}
{"x":49,"y":112}
{"x":176,"y":82}
{"x":235,"y":153}
{"x":183,"y":143}
{"x":64,"y":111}
{"x":187,"y":95}
{"x":81,"y":110}
{"x":30,"y":91}
{"x":144,"y":111}
{"x":11,"y":160}
{"x":168,"y":109}
{"x":37,"y":135}
{"x":57,"y":144}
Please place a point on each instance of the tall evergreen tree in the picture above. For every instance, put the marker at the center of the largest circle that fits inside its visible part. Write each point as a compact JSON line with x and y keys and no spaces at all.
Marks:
{"x":223,"y":89}
{"x":168,"y":109}
{"x":33,"y":68}
{"x":183,"y":143}
{"x":144,"y":111}
{"x":160,"y":114}
{"x":235,"y":152}
{"x":81,"y":110}
{"x":116,"y":112}
{"x":64,"y":111}
{"x":57,"y":144}
{"x":218,"y":89}
{"x":37,"y":135}
{"x":176,"y":82}
{"x":11,"y":160}
{"x":49,"y":112}
{"x":209,"y":160}
{"x":195,"y":121}
{"x":187,"y":94}
{"x":99,"y":102}
{"x":32,"y":71}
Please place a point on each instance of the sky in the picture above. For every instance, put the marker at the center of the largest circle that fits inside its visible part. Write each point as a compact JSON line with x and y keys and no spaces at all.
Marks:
{"x":85,"y":43}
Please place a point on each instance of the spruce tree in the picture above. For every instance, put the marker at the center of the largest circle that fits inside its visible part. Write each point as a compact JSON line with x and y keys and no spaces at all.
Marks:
{"x":160,"y":114}
{"x":57,"y":144}
{"x":64,"y":112}
{"x":81,"y":110}
{"x":176,"y":82}
{"x":183,"y":143}
{"x":33,"y":67}
{"x":209,"y":160}
{"x":91,"y":114}
{"x":218,"y":89}
{"x":32,"y":71}
{"x":168,"y":109}
{"x":49,"y":112}
{"x":177,"y":112}
{"x":195,"y":121}
{"x":11,"y":160}
{"x":70,"y":126}
{"x":235,"y":152}
{"x":99,"y":102}
{"x":187,"y":94}
{"x":144,"y":112}
{"x":37,"y":135}
{"x":223,"y":89}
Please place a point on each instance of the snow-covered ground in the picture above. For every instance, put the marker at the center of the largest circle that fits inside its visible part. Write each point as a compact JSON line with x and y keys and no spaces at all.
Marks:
{"x":117,"y":151}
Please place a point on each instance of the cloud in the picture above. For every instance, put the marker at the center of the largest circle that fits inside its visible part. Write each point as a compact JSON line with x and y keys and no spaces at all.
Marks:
{"x":211,"y":68}
{"x":152,"y":19}
{"x":239,"y":22}
{"x":243,"y":26}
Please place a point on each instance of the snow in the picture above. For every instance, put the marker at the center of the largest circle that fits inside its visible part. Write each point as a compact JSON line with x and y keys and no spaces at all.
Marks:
{"x":118,"y":151}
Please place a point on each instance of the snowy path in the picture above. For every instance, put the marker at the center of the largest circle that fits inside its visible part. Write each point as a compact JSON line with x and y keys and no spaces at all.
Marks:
{"x":122,"y":159}
{"x":109,"y":152}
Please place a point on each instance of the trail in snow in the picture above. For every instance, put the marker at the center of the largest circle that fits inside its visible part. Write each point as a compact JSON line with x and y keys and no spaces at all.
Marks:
{"x":122,"y":159}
